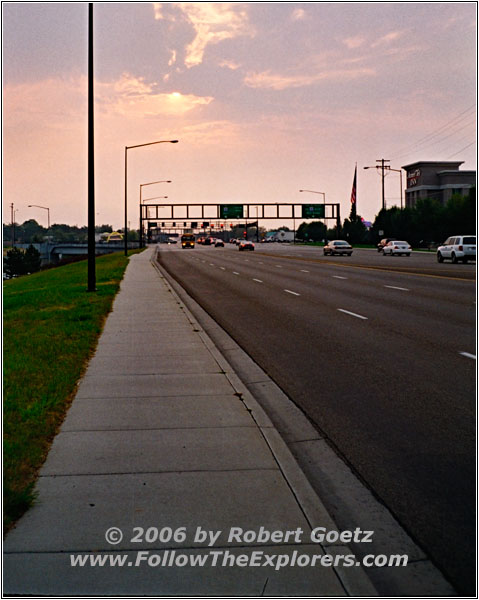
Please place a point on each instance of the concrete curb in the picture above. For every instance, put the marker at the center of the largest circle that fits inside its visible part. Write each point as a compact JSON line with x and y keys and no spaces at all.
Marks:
{"x":355,"y":581}
{"x":300,"y":448}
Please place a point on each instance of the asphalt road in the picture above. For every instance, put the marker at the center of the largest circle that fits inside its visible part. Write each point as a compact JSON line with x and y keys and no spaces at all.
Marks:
{"x":380,"y":353}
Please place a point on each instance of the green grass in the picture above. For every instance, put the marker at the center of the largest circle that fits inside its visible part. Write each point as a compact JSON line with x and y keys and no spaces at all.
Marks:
{"x":50,"y":328}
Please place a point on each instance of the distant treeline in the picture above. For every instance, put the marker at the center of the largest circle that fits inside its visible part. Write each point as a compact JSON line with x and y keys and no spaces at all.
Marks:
{"x":31,"y":232}
{"x":427,"y":223}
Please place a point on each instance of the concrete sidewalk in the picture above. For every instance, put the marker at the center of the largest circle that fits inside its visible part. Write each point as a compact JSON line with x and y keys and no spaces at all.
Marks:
{"x":163,"y":434}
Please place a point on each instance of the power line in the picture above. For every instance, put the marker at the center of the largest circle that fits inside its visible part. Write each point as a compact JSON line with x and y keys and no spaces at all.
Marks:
{"x":462,"y":149}
{"x":452,"y":123}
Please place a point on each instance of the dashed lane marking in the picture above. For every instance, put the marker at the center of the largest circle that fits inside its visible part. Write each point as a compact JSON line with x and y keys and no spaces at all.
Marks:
{"x":258,"y":280}
{"x":338,"y":277}
{"x":352,"y":314}
{"x":467,"y":355}
{"x":394,"y":287}
{"x":294,"y":293}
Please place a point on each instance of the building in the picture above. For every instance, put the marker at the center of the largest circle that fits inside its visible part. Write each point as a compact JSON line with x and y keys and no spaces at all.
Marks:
{"x":440,"y":180}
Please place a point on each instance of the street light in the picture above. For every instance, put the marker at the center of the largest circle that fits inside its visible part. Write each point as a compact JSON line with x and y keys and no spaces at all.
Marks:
{"x":126,"y":181}
{"x":400,"y":181}
{"x":142,"y":185}
{"x":45,"y":208}
{"x":324,"y":202}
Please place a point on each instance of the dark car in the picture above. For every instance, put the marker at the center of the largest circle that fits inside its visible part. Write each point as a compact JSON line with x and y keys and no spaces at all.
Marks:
{"x":245,"y":245}
{"x":337,"y":247}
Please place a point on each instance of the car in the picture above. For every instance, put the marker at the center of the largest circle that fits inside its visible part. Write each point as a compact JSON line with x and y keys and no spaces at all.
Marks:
{"x":219,"y":243}
{"x":384,"y":242}
{"x":337,"y":247}
{"x":458,"y":248}
{"x":397,"y":247}
{"x":245,"y":245}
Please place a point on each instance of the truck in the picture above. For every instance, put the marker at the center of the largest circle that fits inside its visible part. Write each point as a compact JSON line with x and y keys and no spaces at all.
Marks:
{"x":283,"y":236}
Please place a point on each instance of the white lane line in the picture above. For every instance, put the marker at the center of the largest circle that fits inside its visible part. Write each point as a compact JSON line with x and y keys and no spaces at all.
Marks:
{"x":467,"y":355}
{"x":278,"y":266}
{"x":304,"y":271}
{"x":352,"y":314}
{"x":212,"y":264}
{"x":294,"y":293}
{"x":260,"y":262}
{"x":222,"y":268}
{"x":258,"y":280}
{"x":393,"y":287}
{"x":338,"y":277}
{"x":235,"y":273}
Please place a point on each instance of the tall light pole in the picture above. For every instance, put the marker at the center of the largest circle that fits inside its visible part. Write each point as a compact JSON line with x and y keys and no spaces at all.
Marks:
{"x":91,"y":287}
{"x":388,"y":168}
{"x":126,"y":182}
{"x":383,"y":167}
{"x":142,"y":185}
{"x":324,"y":202}
{"x":44,"y":208}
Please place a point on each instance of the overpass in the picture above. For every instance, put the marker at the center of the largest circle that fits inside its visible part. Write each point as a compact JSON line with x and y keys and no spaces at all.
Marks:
{"x":54,"y":252}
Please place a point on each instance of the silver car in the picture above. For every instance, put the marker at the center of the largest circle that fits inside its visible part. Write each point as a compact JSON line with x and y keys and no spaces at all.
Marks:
{"x":458,"y":248}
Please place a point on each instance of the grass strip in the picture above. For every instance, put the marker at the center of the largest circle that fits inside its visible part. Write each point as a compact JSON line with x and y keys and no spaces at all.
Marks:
{"x":51,"y":325}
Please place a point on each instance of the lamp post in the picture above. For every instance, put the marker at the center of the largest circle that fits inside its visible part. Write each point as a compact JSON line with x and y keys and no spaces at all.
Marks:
{"x":126,"y":182}
{"x":142,"y":185}
{"x":324,"y":202}
{"x":45,"y":208}
{"x":383,"y":168}
{"x":400,"y":181}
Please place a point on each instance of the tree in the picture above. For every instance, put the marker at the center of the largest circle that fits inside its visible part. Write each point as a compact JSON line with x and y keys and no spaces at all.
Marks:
{"x":354,"y":230}
{"x":31,"y":260}
{"x":14,"y":263}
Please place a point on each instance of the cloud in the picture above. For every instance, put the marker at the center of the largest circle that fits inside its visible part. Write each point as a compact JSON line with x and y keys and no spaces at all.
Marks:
{"x":386,"y":39}
{"x":277,"y":81}
{"x":213,"y":23}
{"x":229,"y":64}
{"x":354,"y":42}
{"x":172,"y":60}
{"x":133,"y":97}
{"x":298,"y":14}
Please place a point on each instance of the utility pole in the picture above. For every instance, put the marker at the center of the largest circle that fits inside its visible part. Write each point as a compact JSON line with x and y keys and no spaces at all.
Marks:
{"x":13,"y":225}
{"x":383,"y":168}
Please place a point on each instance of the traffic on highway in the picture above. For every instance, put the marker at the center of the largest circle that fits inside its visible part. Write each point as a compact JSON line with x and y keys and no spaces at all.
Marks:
{"x":379,"y":352}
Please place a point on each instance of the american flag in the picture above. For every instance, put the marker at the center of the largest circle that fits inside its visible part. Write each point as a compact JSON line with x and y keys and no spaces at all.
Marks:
{"x":353,"y":192}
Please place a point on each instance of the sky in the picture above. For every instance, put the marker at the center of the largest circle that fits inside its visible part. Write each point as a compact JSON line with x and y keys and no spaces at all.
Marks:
{"x":265,"y":99}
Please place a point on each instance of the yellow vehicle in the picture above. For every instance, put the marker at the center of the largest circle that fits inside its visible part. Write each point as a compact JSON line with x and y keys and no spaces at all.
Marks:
{"x":188,"y":240}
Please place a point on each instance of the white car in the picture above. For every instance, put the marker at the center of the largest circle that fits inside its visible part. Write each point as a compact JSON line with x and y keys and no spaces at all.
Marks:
{"x":458,"y":248}
{"x":397,"y":247}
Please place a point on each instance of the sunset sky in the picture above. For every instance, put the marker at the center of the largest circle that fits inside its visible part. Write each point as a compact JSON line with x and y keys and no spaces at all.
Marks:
{"x":265,"y":98}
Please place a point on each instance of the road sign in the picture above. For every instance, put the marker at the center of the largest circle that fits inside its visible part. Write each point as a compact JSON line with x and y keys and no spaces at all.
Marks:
{"x":231,"y":211}
{"x":312,"y":211}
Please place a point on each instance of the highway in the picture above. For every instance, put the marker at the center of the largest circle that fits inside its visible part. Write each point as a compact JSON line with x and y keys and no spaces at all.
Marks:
{"x":379,"y":352}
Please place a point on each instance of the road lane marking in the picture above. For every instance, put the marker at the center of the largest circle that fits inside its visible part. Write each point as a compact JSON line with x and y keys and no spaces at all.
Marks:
{"x":338,"y":277}
{"x":258,"y":280}
{"x":304,"y":271}
{"x":467,"y":355}
{"x":222,"y":268}
{"x":393,"y":287}
{"x":260,"y":262}
{"x":294,"y":293}
{"x":278,"y":266}
{"x":212,"y":264}
{"x":352,"y":314}
{"x":235,"y":273}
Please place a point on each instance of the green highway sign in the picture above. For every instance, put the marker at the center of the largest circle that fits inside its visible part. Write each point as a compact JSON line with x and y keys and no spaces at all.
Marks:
{"x":312,"y":211}
{"x":231,"y":211}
